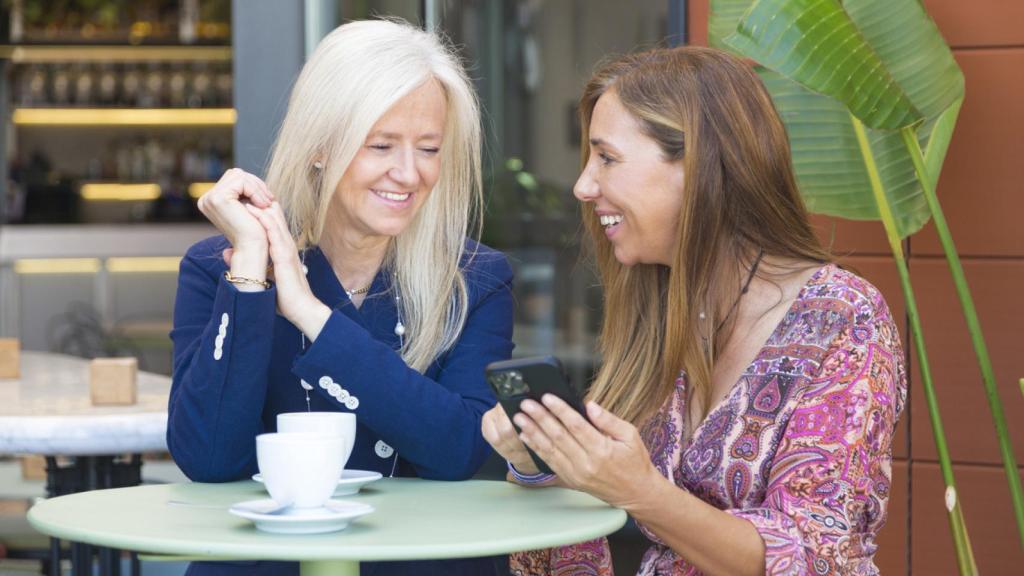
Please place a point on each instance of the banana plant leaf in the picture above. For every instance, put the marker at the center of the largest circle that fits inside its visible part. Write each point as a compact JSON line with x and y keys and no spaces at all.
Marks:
{"x":884,"y":61}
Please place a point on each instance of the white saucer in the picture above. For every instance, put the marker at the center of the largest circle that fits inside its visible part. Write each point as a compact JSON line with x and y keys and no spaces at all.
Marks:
{"x":349,"y":483}
{"x":334,"y":515}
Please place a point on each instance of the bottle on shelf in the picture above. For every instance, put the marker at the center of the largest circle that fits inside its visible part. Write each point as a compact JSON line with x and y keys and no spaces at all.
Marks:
{"x":151,"y":94}
{"x":61,"y":86}
{"x":131,"y":86}
{"x":107,"y":92}
{"x":84,"y":84}
{"x":177,"y":86}
{"x":202,"y":85}
{"x":128,"y":85}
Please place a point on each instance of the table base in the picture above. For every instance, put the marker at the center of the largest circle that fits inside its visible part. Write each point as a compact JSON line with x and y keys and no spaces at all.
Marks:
{"x":90,"y":473}
{"x":329,"y":568}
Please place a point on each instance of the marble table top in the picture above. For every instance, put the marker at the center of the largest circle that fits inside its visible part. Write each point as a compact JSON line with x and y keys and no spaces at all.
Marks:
{"x":47,"y":411}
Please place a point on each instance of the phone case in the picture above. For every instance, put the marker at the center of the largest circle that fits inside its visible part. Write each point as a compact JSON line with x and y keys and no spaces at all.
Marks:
{"x":516,"y":380}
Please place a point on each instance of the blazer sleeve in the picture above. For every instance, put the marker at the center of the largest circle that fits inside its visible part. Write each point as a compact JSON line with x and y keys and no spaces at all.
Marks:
{"x":432,"y":423}
{"x":222,"y":346}
{"x":829,"y":482}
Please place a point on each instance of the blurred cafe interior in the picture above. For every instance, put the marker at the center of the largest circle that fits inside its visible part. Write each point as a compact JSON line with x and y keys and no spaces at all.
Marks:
{"x":121,"y":114}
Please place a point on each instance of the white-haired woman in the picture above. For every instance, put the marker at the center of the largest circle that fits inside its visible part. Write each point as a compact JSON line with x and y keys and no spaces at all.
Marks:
{"x":358,"y":239}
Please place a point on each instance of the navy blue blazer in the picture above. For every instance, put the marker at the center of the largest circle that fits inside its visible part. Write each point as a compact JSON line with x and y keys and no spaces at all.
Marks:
{"x":237,"y":364}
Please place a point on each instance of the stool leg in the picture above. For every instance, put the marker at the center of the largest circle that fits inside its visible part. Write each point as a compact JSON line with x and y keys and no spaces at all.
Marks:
{"x":115,"y":562}
{"x":81,"y":558}
{"x":106,"y":566}
{"x":54,"y":557}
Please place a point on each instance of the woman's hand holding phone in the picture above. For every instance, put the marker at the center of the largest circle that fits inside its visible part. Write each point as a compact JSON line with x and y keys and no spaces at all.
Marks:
{"x":515,"y":381}
{"x":604,"y":456}
{"x":499,"y":432}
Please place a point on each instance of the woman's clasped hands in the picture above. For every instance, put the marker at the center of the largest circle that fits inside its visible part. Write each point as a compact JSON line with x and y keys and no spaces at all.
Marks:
{"x":224,"y":206}
{"x":242,"y":207}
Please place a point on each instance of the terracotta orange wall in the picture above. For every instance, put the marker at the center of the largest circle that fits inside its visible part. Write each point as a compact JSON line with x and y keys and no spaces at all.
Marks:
{"x":982,"y":194}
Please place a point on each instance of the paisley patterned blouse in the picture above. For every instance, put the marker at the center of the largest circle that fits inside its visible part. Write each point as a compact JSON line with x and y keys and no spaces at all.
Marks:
{"x":800,"y":447}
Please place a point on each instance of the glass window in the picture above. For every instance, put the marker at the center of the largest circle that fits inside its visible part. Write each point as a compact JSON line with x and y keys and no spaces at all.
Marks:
{"x":530,"y":60}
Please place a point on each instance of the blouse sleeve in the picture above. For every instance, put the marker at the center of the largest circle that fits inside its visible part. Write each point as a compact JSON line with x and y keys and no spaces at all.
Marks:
{"x":829,"y":482}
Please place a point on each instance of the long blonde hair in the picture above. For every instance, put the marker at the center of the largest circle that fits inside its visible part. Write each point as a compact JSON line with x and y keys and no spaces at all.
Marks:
{"x":710,"y":112}
{"x":352,"y":78}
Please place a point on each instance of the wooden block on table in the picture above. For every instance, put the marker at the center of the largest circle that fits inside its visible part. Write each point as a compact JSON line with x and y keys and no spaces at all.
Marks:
{"x":13,"y":508}
{"x":10,"y":358}
{"x":112,"y":381}
{"x":33,"y":467}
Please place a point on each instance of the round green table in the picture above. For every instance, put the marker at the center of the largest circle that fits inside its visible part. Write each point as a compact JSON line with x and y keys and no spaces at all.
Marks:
{"x":414,"y":520}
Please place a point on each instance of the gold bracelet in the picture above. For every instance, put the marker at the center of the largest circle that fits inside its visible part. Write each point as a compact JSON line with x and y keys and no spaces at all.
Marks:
{"x":243,"y":280}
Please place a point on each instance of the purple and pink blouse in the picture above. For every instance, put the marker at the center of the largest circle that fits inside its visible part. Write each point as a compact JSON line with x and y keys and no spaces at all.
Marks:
{"x":801,"y":446}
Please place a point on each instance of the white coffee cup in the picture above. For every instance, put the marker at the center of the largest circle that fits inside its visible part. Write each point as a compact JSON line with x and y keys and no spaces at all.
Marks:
{"x":300,"y":470}
{"x":331,"y":423}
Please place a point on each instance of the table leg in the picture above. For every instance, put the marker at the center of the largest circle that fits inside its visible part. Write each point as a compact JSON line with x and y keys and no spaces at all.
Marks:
{"x":88,"y":479}
{"x":90,"y":473}
{"x":329,"y":568}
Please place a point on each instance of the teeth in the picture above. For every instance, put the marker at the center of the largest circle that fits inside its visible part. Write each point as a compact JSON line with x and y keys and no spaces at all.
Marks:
{"x":391,"y":195}
{"x":610,"y":220}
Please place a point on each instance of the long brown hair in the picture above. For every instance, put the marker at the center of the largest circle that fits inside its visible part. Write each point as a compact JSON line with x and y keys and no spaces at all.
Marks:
{"x":710,"y":112}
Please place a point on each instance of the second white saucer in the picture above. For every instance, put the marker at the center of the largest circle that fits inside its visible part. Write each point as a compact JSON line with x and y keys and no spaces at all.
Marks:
{"x":349,"y":483}
{"x":334,"y":515}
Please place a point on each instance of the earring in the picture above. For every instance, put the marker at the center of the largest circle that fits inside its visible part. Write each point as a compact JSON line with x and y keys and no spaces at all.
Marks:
{"x":318,"y":165}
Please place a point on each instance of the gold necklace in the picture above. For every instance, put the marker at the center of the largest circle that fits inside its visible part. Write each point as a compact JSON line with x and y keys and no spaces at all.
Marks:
{"x":358,"y":291}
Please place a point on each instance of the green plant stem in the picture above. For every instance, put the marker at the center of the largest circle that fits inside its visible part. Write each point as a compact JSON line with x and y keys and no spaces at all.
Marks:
{"x":961,"y":541}
{"x":973,"y":326}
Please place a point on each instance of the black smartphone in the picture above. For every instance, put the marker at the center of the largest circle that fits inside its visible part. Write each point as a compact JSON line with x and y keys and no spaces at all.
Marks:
{"x":516,"y":380}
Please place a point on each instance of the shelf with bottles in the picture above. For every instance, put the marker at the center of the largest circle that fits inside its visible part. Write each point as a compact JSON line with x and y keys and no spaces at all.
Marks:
{"x":140,"y":178}
{"x":117,"y":21}
{"x":196,"y":85}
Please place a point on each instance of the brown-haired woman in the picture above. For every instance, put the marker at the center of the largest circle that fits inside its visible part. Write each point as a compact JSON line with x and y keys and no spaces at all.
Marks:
{"x":744,"y":411}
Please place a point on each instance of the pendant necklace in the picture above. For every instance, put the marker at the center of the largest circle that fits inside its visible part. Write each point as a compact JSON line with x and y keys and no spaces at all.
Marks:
{"x":736,"y":303}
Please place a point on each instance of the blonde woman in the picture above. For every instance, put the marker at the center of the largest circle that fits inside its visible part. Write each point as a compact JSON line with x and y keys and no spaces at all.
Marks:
{"x":358,"y":240}
{"x":745,"y":408}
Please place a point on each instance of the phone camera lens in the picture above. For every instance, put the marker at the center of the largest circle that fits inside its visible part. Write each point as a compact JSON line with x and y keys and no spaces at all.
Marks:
{"x":510,"y":383}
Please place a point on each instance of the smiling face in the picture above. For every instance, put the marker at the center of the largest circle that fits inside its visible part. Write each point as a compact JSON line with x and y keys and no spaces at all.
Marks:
{"x":394,"y":171}
{"x":637,"y":194}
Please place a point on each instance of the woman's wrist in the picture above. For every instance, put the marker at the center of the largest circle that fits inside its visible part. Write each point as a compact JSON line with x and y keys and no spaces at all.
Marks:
{"x":529,"y":479}
{"x":250,"y":262}
{"x":649,"y":494}
{"x":312,"y":319}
